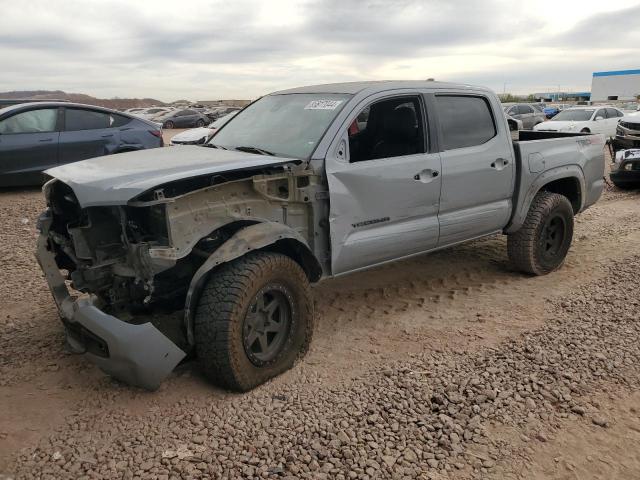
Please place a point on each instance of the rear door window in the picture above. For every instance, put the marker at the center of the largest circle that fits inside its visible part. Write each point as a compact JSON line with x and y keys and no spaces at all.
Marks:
{"x":613,"y":113}
{"x":118,"y":120}
{"x":33,"y":121}
{"x":81,"y":119}
{"x":525,"y":109}
{"x":465,"y":121}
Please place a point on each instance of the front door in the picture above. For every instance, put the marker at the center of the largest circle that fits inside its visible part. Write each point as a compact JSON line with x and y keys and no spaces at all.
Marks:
{"x":28,"y":145}
{"x":384,"y":185}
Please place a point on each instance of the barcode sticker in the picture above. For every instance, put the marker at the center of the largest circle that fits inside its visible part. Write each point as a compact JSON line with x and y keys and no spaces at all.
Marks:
{"x":323,"y":104}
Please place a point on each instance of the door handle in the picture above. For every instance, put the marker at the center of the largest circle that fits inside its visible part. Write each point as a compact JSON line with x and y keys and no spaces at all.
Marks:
{"x":107,"y":135}
{"x":46,"y":140}
{"x":500,"y":163}
{"x":425,"y":176}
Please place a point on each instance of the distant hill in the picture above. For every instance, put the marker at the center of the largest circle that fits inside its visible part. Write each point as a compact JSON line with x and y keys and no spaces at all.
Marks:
{"x":117,"y":103}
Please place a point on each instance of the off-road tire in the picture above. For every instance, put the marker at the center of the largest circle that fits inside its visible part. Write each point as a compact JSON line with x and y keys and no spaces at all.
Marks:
{"x":223,"y":305}
{"x":525,"y":247}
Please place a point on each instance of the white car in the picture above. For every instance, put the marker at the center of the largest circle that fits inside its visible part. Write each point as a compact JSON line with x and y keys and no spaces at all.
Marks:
{"x":584,"y":119}
{"x":201,"y":135}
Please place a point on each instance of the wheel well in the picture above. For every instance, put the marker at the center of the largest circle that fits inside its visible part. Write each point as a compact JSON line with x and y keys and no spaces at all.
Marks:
{"x":586,"y":130}
{"x":569,"y":187}
{"x":290,"y":247}
{"x":300,"y":254}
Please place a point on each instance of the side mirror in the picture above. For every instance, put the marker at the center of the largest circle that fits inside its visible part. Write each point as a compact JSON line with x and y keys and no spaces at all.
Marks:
{"x":598,"y":118}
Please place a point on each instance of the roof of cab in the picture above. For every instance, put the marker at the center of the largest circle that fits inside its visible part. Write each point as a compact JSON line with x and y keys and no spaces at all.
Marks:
{"x":375,"y":86}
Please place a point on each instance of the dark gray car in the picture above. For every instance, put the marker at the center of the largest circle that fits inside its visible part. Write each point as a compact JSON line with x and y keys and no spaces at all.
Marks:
{"x":526,"y":113}
{"x":183,"y":119}
{"x":38,"y":136}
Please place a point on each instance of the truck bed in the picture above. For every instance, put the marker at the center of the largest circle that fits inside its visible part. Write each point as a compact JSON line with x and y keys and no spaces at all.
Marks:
{"x":543,"y":157}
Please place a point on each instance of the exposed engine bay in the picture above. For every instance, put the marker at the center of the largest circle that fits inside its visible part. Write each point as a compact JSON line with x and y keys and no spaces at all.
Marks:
{"x":144,"y":254}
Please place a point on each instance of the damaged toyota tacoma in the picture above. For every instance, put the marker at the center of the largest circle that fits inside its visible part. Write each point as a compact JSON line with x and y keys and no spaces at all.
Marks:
{"x":302,"y":185}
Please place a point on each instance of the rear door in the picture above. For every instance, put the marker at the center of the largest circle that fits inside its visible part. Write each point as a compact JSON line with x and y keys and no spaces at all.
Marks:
{"x":87,"y":133}
{"x":478,"y":168}
{"x":384,"y":183}
{"x":28,"y":145}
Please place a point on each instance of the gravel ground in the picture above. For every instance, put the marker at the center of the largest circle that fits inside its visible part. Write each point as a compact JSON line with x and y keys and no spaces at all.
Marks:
{"x":446,"y":366}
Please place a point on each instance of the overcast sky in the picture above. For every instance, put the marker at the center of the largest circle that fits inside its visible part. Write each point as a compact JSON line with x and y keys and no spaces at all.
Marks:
{"x":206,"y":49}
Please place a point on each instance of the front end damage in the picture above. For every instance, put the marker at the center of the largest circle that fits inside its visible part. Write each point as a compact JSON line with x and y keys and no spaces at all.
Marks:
{"x":111,"y":268}
{"x":98,"y":260}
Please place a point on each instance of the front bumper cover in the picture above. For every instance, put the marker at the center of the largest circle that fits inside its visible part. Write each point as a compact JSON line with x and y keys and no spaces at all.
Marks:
{"x":139,"y":355}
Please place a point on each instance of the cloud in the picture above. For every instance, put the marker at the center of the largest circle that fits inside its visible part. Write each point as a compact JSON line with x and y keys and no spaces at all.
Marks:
{"x":204,"y":49}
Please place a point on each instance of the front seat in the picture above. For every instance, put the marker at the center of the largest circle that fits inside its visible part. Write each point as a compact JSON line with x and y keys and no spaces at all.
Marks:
{"x":399,"y":134}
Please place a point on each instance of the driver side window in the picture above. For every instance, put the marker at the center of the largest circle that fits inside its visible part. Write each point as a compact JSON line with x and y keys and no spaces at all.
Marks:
{"x":387,"y":128}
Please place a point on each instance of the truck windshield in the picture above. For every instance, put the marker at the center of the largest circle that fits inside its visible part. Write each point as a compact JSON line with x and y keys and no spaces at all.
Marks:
{"x":577,"y":115}
{"x":288,"y":125}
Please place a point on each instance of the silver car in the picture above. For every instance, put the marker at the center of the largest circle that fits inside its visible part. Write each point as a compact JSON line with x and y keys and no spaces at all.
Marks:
{"x":526,"y":113}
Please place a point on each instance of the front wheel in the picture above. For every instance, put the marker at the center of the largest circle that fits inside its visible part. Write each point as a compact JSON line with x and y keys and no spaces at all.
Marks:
{"x":253,"y":320}
{"x":200,"y":123}
{"x":168,"y":125}
{"x":541,"y":244}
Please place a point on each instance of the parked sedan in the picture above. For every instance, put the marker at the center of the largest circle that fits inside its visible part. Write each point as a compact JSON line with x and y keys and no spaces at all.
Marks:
{"x":586,"y":120}
{"x":38,"y":136}
{"x":198,"y":136}
{"x":551,"y":111}
{"x":182,"y":119}
{"x":526,"y":113}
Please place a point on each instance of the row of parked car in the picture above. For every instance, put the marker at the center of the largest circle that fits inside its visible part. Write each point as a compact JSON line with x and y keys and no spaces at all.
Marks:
{"x":604,"y":119}
{"x":174,"y":117}
{"x":36,"y":136}
{"x":619,"y":124}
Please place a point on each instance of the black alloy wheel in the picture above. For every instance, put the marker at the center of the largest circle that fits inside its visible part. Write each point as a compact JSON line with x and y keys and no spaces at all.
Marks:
{"x":267,"y":324}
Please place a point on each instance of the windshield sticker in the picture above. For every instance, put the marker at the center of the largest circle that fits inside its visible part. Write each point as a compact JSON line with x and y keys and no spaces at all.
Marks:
{"x":323,"y":104}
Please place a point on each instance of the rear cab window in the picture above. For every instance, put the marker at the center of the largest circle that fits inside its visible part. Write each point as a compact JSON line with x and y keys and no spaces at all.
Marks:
{"x":465,"y":120}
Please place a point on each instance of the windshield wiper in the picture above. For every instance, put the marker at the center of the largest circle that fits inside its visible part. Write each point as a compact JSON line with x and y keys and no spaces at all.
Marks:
{"x":250,"y":149}
{"x":212,"y":145}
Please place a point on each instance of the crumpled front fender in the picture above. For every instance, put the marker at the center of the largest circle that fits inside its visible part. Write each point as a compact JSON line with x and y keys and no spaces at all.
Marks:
{"x":253,"y":237}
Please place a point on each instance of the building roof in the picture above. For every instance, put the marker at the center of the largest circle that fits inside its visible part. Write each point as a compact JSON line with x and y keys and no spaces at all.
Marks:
{"x":616,"y":72}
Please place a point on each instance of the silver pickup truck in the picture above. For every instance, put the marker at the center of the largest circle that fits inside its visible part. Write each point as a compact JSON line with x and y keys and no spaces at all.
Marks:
{"x":302,"y":185}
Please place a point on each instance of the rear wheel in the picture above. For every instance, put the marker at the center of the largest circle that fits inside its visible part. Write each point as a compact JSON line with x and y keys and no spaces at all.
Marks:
{"x":200,"y":123}
{"x":542,"y":243}
{"x":168,"y":124}
{"x":253,"y":320}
